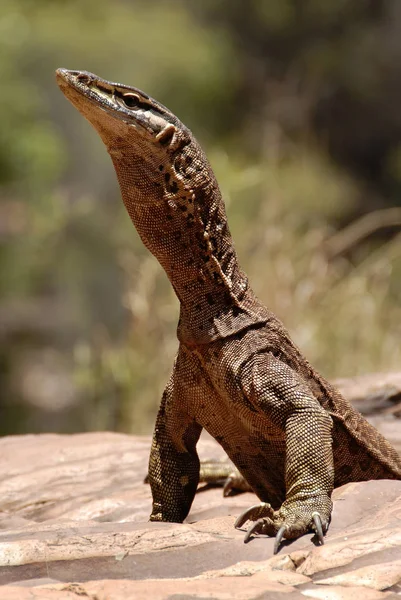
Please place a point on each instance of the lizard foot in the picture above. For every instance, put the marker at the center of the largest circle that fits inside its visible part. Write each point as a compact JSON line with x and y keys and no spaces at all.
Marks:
{"x":291,"y":521}
{"x":223,"y":473}
{"x":235,"y":484}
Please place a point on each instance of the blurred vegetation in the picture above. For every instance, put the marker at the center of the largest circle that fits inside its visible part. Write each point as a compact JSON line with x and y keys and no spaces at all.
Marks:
{"x":297,"y":104}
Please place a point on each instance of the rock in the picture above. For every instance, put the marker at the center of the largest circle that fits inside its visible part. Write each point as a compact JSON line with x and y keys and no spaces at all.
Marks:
{"x":373,"y":393}
{"x":73,"y":524}
{"x":382,"y":577}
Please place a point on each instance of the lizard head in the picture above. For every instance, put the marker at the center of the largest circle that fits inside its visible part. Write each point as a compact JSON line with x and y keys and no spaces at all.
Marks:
{"x":93,"y":96}
{"x":146,"y":142}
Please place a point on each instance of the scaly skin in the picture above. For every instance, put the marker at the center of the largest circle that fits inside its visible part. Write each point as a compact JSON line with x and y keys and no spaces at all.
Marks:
{"x":237,"y":372}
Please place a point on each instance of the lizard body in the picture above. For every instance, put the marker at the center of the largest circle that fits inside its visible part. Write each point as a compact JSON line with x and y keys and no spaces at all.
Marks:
{"x":237,"y":373}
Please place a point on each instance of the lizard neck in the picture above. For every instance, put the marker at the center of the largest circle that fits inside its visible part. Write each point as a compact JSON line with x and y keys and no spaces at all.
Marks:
{"x":173,"y":199}
{"x":186,"y":229}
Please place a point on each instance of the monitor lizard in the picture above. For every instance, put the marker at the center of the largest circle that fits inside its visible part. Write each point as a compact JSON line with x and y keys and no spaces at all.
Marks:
{"x":237,"y":373}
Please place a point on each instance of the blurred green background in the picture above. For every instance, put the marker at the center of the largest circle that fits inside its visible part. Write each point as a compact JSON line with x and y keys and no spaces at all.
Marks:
{"x":297,"y":103}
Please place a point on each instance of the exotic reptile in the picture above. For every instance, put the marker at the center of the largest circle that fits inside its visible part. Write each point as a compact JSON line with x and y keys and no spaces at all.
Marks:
{"x":237,"y":373}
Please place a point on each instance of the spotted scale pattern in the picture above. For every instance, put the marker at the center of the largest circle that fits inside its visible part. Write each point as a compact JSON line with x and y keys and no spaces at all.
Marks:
{"x":237,"y":374}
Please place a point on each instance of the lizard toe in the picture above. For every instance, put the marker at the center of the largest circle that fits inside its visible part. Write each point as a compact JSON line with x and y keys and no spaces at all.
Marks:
{"x":254,"y":513}
{"x":259,"y":526}
{"x":235,"y":484}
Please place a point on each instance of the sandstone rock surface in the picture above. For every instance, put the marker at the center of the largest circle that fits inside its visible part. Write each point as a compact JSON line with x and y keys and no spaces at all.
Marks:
{"x":73,"y":525}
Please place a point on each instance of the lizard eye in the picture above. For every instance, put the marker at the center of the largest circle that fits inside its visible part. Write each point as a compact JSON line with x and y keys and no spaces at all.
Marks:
{"x":131,"y":100}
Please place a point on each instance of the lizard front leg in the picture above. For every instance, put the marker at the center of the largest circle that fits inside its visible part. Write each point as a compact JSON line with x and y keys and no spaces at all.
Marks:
{"x":288,"y":403}
{"x":174,"y":462}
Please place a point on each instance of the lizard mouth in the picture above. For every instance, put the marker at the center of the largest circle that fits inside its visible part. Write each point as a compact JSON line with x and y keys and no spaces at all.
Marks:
{"x":122,"y":102}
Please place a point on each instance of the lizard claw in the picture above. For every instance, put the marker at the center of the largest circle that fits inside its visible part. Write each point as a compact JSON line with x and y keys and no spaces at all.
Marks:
{"x":253,"y":513}
{"x":279,"y":537}
{"x":318,"y":527}
{"x":228,"y":486}
{"x":257,"y":527}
